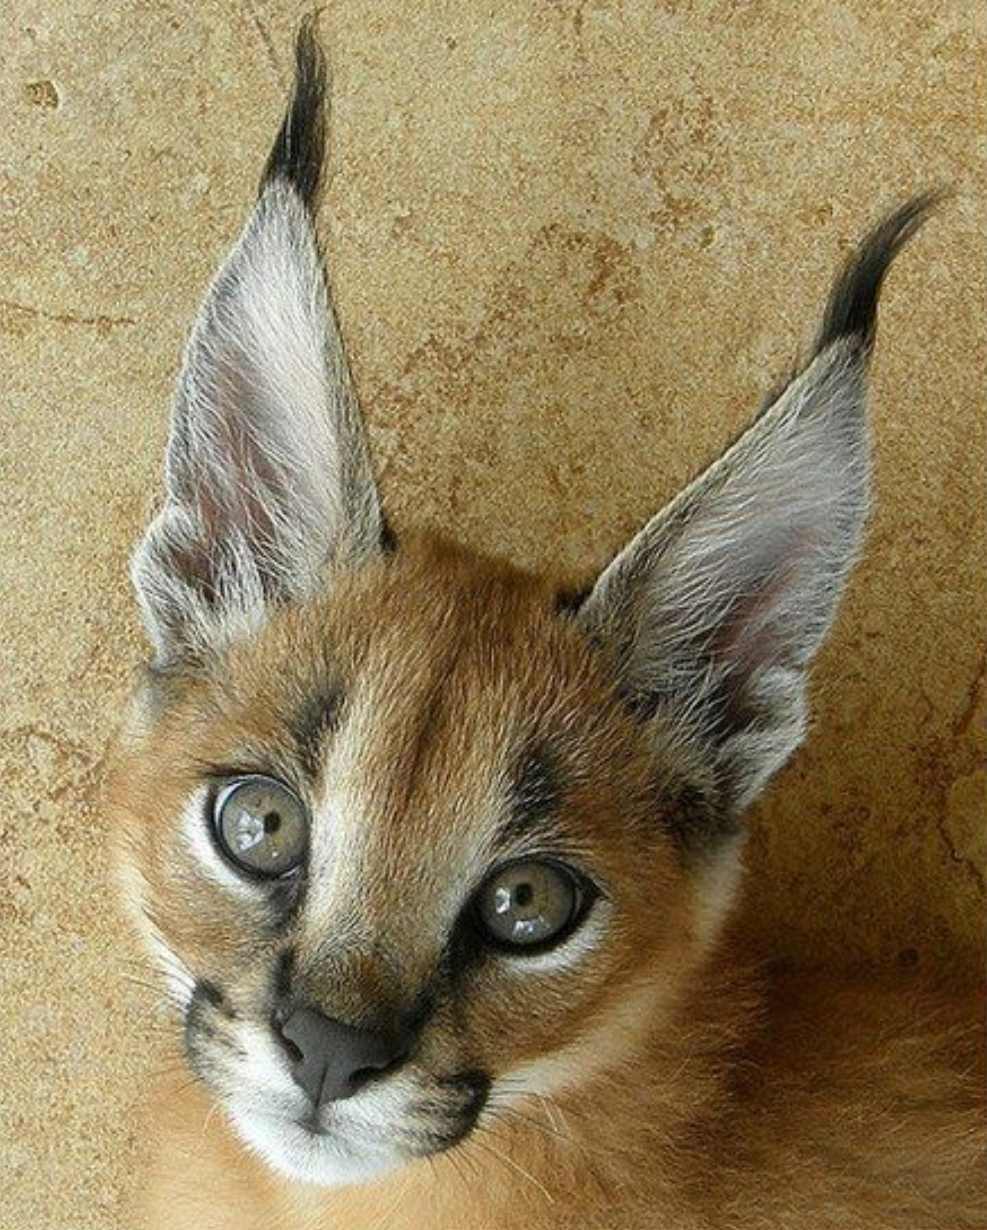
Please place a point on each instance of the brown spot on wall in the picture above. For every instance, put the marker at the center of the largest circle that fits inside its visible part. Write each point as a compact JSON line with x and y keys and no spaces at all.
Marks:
{"x":43,"y":94}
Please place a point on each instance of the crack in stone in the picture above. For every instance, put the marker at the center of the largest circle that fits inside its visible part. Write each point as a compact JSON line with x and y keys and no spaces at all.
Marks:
{"x":970,"y":868}
{"x":964,"y":719}
{"x":267,"y":41}
{"x":101,"y":321}
{"x":959,"y":727}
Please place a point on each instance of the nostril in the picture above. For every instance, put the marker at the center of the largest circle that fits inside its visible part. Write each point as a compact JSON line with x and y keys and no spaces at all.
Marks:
{"x":293,"y":1052}
{"x":363,"y":1076}
{"x":392,"y":1065}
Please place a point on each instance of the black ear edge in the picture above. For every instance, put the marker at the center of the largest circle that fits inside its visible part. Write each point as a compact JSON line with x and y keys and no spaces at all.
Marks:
{"x":569,"y":598}
{"x":299,"y":148}
{"x":389,"y":541}
{"x":851,"y":311}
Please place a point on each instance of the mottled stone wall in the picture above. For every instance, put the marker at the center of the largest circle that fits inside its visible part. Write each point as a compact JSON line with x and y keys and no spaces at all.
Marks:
{"x":573,"y":242}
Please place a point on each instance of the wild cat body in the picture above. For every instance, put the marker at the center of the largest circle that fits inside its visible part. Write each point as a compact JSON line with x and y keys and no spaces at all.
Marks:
{"x":669,"y":1084}
{"x":468,"y":964}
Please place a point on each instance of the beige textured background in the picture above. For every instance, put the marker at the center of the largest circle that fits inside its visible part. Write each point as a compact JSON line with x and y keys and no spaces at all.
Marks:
{"x":573,"y":243}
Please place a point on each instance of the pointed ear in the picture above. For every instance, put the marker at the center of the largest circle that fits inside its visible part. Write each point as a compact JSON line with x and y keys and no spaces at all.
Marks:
{"x":268,"y":476}
{"x":711,"y":615}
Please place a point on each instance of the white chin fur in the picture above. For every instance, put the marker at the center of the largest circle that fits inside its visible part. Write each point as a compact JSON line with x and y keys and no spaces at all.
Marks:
{"x":294,"y":1152}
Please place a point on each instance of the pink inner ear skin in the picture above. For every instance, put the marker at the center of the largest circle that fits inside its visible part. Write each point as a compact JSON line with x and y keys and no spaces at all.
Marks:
{"x":754,"y":634}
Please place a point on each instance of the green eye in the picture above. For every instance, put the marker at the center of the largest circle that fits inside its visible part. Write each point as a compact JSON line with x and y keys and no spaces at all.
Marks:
{"x":261,"y":826}
{"x":527,"y":904}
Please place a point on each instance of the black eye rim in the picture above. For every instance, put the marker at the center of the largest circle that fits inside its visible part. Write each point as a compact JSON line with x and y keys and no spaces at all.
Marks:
{"x":585,"y":893}
{"x":222,"y":790}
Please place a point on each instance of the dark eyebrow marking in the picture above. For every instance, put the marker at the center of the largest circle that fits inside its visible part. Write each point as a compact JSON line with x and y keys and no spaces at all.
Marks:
{"x":252,"y":763}
{"x":536,"y":790}
{"x":312,"y":723}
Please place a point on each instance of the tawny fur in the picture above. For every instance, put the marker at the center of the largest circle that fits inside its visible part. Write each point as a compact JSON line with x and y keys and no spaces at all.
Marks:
{"x":744,"y":1100}
{"x":780,"y":1102}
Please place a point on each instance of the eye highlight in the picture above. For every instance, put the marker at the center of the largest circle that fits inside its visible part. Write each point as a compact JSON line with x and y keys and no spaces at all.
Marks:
{"x":526,"y":905}
{"x":261,"y":826}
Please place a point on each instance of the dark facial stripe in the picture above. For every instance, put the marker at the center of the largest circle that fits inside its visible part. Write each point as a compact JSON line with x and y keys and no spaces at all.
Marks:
{"x":201,"y":1029}
{"x":283,"y":973}
{"x":536,"y":790}
{"x":311,"y":725}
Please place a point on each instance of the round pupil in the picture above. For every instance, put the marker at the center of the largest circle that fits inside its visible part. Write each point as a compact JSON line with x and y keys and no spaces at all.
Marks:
{"x":263,"y":826}
{"x":527,"y":904}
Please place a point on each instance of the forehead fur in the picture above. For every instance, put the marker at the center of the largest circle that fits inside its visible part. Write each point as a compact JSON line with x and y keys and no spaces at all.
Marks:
{"x":452,"y":677}
{"x":452,"y":656}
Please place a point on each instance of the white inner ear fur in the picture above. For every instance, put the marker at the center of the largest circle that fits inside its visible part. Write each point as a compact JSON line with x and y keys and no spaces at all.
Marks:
{"x":193,"y":826}
{"x":732,"y":588}
{"x":268,"y":474}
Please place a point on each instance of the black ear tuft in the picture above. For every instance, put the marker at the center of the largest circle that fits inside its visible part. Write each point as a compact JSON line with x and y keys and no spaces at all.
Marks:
{"x":300,"y":144}
{"x":852,"y":307}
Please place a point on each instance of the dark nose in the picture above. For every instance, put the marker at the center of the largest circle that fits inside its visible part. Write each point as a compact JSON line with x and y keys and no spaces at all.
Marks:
{"x":334,"y":1060}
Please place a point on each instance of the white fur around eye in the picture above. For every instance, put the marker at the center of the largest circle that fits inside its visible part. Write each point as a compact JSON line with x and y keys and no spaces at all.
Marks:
{"x":600,"y":1048}
{"x":583,"y":940}
{"x":194,"y":827}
